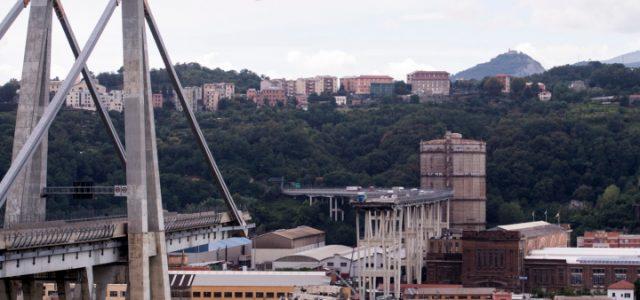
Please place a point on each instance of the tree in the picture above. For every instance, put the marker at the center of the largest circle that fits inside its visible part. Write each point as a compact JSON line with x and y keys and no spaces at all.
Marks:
{"x":8,"y":91}
{"x":510,"y":212}
{"x":492,"y":86}
{"x":518,"y":85}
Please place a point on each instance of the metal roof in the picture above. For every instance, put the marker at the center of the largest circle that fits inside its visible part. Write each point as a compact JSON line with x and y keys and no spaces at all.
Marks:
{"x":532,"y":229}
{"x":247,"y":278}
{"x":322,"y":253}
{"x":599,"y":256}
{"x":229,"y":243}
{"x":298,"y":232}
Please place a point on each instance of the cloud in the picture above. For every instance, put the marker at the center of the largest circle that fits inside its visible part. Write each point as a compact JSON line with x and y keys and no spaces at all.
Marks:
{"x":214,"y":60}
{"x":602,"y":16}
{"x":322,"y":61}
{"x":399,"y":70}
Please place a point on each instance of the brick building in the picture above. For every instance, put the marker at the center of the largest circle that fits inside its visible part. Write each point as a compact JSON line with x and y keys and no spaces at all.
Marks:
{"x":608,"y":239}
{"x":495,"y":257}
{"x":591,"y":269}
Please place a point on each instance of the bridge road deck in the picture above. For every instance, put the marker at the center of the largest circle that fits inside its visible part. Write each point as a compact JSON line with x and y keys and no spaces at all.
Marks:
{"x":67,"y":245}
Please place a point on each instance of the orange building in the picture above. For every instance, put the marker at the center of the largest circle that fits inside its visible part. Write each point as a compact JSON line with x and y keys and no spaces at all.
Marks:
{"x":241,"y":284}
{"x":361,"y":85}
{"x":157,"y":100}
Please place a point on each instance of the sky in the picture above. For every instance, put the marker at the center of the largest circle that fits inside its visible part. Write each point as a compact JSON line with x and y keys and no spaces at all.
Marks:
{"x":299,"y":38}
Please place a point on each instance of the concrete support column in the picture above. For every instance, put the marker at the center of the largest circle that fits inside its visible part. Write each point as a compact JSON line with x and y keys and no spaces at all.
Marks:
{"x":86,"y":284}
{"x":331,"y":209}
{"x":9,"y":289}
{"x":60,"y":286}
{"x":24,"y":203}
{"x":134,"y":91}
{"x":159,"y":266}
{"x":105,"y":275}
{"x":32,"y":289}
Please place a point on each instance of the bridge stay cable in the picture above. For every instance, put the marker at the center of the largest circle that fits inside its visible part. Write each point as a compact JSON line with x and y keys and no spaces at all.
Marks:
{"x":15,"y":11}
{"x":50,"y":112}
{"x":90,"y":82}
{"x":193,"y":122}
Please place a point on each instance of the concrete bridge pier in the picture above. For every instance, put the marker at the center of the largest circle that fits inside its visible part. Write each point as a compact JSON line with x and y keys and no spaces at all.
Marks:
{"x":32,"y":289}
{"x":105,"y":275}
{"x":9,"y":289}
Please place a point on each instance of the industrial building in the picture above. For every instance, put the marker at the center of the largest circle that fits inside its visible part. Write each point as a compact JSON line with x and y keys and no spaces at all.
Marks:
{"x":241,"y":284}
{"x":608,"y":239}
{"x":273,"y":245}
{"x":494,"y":257}
{"x":458,"y":164}
{"x":234,"y":251}
{"x":452,"y":291}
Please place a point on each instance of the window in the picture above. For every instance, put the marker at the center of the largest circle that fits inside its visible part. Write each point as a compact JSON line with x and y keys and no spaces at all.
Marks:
{"x":343,"y":264}
{"x":196,"y":294}
{"x":217,"y":295}
{"x":627,"y":295}
{"x":207,"y":294}
{"x":613,"y":294}
{"x":259,"y":295}
{"x":248,"y":295}
{"x":270,"y":295}
{"x":620,"y":274}
{"x":280,"y":295}
{"x":228,"y":294}
{"x":238,"y":294}
{"x":598,"y":277}
{"x":123,"y":294}
{"x":113,"y":294}
{"x":576,"y":276}
{"x":330,"y":264}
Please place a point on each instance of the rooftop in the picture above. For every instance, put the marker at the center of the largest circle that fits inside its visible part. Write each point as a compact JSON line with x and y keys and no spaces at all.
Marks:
{"x":602,"y":256}
{"x":325,"y":252}
{"x":532,"y":229}
{"x":298,"y":232}
{"x":622,"y":285}
{"x":184,"y":279}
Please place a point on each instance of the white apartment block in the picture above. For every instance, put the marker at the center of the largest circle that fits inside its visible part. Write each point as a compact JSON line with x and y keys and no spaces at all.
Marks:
{"x":80,"y":97}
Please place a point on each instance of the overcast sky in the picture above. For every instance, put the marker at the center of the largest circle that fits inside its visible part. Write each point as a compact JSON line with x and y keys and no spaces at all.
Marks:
{"x":294,"y":38}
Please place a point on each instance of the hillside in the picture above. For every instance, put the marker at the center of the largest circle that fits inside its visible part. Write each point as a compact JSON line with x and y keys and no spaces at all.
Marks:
{"x":512,"y":63}
{"x":631,"y":59}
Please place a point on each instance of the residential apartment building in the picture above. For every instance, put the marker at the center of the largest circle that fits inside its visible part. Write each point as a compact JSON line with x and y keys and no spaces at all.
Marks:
{"x":305,"y":86}
{"x":157,"y":100}
{"x":608,"y":239}
{"x":429,"y":83}
{"x":212,"y":93}
{"x":79,"y":97}
{"x":505,"y":81}
{"x":271,"y":97}
{"x":361,"y":85}
{"x":193,"y":97}
{"x":326,"y":85}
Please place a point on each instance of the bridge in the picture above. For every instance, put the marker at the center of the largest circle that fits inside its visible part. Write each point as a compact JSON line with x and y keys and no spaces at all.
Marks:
{"x":129,"y":249}
{"x":339,"y":194}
